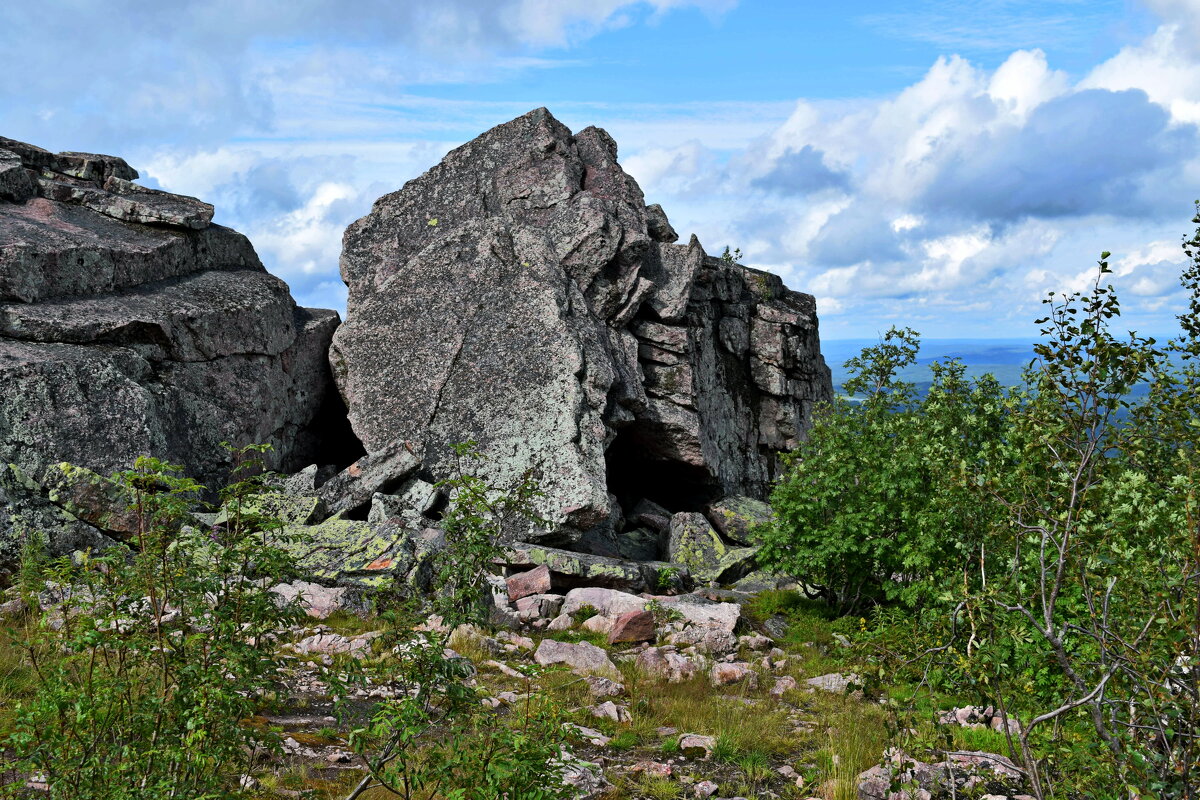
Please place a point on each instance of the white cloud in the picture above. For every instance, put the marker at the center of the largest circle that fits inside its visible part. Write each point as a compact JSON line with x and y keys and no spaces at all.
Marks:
{"x":972,"y":191}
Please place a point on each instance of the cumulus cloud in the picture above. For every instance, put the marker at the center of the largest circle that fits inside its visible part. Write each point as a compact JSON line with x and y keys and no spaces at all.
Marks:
{"x":800,"y":172}
{"x":964,"y":197}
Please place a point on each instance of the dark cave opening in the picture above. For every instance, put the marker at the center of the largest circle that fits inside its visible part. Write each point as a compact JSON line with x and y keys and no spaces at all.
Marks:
{"x":336,"y":442}
{"x":637,"y":469}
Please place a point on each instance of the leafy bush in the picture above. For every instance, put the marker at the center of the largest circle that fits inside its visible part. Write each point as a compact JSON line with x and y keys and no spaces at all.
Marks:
{"x":1039,"y":547}
{"x":871,"y":505}
{"x":148,"y":657}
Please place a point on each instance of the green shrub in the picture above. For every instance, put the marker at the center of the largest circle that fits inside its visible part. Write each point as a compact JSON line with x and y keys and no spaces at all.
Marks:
{"x":877,"y":504}
{"x":1036,"y":548}
{"x":150,"y":656}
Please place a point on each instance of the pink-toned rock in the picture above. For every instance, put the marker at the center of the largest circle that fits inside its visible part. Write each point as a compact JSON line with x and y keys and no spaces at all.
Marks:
{"x":662,"y":663}
{"x":316,"y":600}
{"x":598,"y":624}
{"x":705,"y":789}
{"x":738,"y":672}
{"x":563,"y":622}
{"x":608,"y":602}
{"x":524,"y":584}
{"x":713,"y":641}
{"x":633,"y":626}
{"x":755,"y":641}
{"x":583,"y":658}
{"x":610,"y":710}
{"x":652,"y":768}
{"x":783,"y":685}
{"x":539,"y":606}
{"x":702,"y":612}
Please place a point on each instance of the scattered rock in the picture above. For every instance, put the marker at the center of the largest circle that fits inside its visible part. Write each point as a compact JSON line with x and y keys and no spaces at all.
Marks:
{"x":352,"y":489}
{"x":608,"y":602}
{"x":583,"y":658}
{"x":701,"y":612}
{"x":783,"y":685}
{"x":598,"y":624}
{"x":570,"y":568}
{"x":530,"y":582}
{"x":633,"y":626}
{"x":756,"y":642}
{"x":664,"y":663}
{"x":539,"y":606}
{"x":593,"y":736}
{"x":316,"y":600}
{"x":654,"y":769}
{"x":695,"y":746}
{"x":979,"y":717}
{"x":610,"y":710}
{"x":603,"y":687}
{"x":835,"y":682}
{"x":325,"y":643}
{"x":737,"y":672}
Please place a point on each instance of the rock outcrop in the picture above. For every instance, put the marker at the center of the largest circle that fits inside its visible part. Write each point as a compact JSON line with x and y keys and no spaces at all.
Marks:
{"x":130,"y":324}
{"x":522,"y":294}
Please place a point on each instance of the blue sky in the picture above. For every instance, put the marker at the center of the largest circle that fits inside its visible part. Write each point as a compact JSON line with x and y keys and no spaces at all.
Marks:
{"x":941,"y":166}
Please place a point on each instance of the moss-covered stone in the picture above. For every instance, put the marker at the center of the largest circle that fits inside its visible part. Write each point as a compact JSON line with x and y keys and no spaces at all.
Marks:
{"x":738,"y":518}
{"x":694,"y":544}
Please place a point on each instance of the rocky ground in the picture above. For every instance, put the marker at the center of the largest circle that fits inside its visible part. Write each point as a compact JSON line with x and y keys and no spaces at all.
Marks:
{"x":699,"y":695}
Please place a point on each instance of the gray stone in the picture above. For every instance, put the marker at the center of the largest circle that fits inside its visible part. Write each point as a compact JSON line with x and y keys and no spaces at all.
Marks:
{"x":570,"y":568}
{"x":694,"y":544}
{"x":658,"y":225}
{"x":16,"y":186}
{"x":583,"y":658}
{"x":539,"y":606}
{"x":736,"y":518}
{"x":357,"y":553}
{"x":640,"y":544}
{"x":29,"y":519}
{"x":316,"y":600}
{"x":694,"y":745}
{"x":131,"y":325}
{"x":377,"y":472}
{"x":608,"y":602}
{"x":414,"y":500}
{"x":703,"y":613}
{"x":522,"y":295}
{"x":835,"y":682}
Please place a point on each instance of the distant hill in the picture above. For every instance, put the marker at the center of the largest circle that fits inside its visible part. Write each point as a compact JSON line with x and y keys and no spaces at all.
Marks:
{"x":1004,"y":358}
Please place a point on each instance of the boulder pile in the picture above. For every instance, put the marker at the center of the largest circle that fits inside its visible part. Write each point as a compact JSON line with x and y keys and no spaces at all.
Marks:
{"x":130,"y":325}
{"x":521,"y":295}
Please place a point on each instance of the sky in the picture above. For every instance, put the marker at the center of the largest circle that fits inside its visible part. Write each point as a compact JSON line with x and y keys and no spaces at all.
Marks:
{"x":940,"y":167}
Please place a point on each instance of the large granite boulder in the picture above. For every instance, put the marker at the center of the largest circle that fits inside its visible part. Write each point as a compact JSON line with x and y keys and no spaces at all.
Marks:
{"x":522,"y":295}
{"x":130,"y":324}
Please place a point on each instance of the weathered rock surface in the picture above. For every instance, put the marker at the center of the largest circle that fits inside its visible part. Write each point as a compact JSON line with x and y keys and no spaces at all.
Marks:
{"x":522,"y":295}
{"x":130,"y":324}
{"x":584,"y":658}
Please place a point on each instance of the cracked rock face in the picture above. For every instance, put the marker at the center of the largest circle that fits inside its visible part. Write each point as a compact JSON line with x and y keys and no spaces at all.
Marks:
{"x":130,"y":324}
{"x":522,"y":295}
